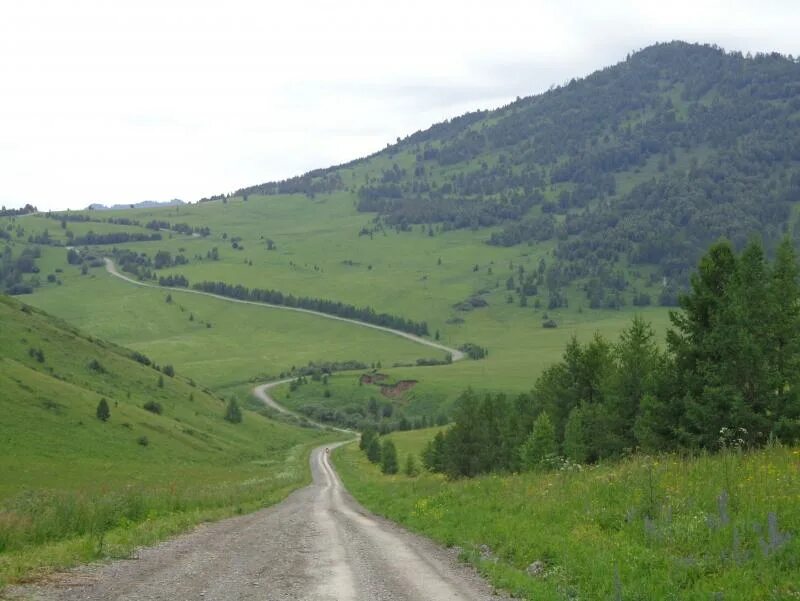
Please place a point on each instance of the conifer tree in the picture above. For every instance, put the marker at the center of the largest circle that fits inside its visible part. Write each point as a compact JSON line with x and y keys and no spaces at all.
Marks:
{"x":103,"y":412}
{"x":541,"y":443}
{"x":389,"y":457}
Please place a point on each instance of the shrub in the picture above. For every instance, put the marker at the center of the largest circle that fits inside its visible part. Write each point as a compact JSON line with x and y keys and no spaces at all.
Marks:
{"x":153,"y":407}
{"x":143,"y":440}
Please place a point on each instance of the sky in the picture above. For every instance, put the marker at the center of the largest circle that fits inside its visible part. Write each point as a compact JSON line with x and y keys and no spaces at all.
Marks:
{"x":119,"y":102}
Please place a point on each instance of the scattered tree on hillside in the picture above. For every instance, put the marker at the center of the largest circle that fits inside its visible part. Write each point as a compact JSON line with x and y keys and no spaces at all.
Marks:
{"x":233,"y":413}
{"x":103,"y":412}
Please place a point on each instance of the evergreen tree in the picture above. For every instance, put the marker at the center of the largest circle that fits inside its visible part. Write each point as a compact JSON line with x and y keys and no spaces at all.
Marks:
{"x":784,"y":343}
{"x":574,"y":437}
{"x":411,"y":469}
{"x":433,"y":457}
{"x":366,"y":438}
{"x":233,"y":413}
{"x":389,"y":457}
{"x":103,"y":412}
{"x":541,"y":443}
{"x":374,"y":450}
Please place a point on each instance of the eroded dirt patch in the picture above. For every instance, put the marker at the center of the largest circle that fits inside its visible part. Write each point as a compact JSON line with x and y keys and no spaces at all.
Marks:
{"x":397,"y":390}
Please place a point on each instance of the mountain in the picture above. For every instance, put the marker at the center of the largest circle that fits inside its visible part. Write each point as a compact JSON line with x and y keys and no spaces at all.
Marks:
{"x":641,"y":164}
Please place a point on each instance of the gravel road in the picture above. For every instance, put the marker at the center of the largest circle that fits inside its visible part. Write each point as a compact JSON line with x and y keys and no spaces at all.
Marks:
{"x":455,"y":354}
{"x":317,"y":545}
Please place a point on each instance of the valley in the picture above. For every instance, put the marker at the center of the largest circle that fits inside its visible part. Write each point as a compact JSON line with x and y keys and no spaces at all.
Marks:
{"x":588,"y":297}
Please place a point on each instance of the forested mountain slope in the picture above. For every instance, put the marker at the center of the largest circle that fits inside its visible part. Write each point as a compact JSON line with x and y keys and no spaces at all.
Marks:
{"x":642,"y":163}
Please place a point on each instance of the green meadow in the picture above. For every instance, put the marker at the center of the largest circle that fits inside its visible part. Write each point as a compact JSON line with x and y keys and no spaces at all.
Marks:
{"x":77,"y":488}
{"x":319,"y":252}
{"x":707,"y":527}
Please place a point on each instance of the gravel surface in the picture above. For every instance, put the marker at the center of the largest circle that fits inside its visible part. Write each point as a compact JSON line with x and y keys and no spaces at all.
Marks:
{"x":317,"y":545}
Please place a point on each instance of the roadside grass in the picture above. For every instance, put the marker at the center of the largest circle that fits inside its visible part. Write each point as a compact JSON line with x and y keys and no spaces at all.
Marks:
{"x":721,"y":526}
{"x":74,"y":487}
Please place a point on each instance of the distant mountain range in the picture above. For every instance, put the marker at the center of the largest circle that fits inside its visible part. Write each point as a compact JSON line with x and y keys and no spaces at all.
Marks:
{"x":145,"y":204}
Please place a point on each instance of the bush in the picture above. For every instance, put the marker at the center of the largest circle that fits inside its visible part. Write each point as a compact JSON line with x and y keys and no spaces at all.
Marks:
{"x":96,"y":366}
{"x":143,"y":440}
{"x":153,"y":407}
{"x":168,"y":371}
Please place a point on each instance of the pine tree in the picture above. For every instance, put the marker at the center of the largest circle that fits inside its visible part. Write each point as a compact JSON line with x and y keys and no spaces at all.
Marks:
{"x":574,"y":437}
{"x":784,"y":343}
{"x":540,"y":444}
{"x":411,"y":469}
{"x":233,"y":413}
{"x":366,"y":438}
{"x":103,"y":412}
{"x":388,"y":457}
{"x":374,"y":450}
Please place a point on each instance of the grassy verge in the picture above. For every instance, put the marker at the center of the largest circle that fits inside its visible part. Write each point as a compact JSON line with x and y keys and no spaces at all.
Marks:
{"x":42,"y":531}
{"x":711,"y":527}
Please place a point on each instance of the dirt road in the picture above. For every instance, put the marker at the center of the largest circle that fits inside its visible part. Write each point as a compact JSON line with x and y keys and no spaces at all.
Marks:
{"x":455,"y":354}
{"x":317,"y":545}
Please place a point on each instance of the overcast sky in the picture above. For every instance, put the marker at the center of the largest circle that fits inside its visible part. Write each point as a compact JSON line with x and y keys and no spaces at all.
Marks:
{"x":118,"y":102}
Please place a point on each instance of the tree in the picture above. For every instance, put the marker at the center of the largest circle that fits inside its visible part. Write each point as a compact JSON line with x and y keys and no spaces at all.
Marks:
{"x":103,"y":412}
{"x":388,"y":457}
{"x":374,"y":450}
{"x":411,"y":469}
{"x":168,"y":371}
{"x":433,"y":457}
{"x":367,"y":436}
{"x":540,"y":444}
{"x":574,"y":437}
{"x":233,"y":413}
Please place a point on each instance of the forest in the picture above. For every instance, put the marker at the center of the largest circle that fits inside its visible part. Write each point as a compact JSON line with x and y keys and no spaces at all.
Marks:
{"x":728,"y":376}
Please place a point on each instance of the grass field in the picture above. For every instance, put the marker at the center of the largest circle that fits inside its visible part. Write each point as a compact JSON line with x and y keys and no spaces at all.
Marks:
{"x":244,"y":343}
{"x":75,"y":488}
{"x":710,"y":527}
{"x":319,"y":253}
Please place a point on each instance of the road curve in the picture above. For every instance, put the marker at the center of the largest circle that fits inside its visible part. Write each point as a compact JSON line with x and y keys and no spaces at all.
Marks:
{"x":317,"y":545}
{"x":261,"y":392}
{"x":456,"y":354}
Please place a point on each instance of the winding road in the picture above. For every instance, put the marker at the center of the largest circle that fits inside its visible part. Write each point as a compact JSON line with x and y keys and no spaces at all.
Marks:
{"x":318,"y":544}
{"x":456,"y":354}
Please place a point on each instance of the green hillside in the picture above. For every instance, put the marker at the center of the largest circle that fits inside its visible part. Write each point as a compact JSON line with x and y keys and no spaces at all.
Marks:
{"x":645,"y":163}
{"x":514,"y":229}
{"x":164,"y":459}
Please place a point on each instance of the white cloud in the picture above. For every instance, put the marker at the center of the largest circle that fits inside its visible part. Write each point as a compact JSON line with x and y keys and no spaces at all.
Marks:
{"x":125,"y":101}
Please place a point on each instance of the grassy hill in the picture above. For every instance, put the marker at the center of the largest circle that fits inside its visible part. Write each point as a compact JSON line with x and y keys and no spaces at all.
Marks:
{"x":575,"y":208}
{"x":75,"y":487}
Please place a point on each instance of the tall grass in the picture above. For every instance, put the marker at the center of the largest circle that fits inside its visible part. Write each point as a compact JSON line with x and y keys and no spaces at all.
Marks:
{"x":46,"y":529}
{"x":711,"y":527}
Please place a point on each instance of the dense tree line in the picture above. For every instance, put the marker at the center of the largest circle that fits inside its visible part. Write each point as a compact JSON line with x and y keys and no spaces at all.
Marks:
{"x":275,"y":297}
{"x":730,"y":373}
{"x":181,"y":228}
{"x":92,"y":238}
